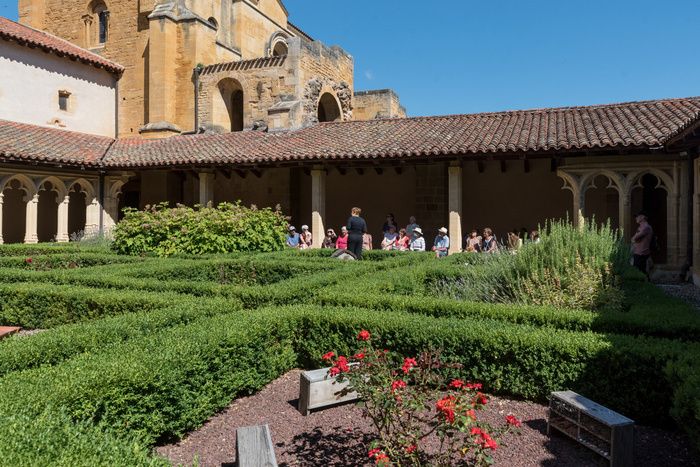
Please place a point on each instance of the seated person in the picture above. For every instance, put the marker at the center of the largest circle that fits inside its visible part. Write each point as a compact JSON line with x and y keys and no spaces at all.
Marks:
{"x":329,"y":239}
{"x":404,"y":240}
{"x":293,"y":238}
{"x":417,"y":242}
{"x":489,"y":244}
{"x":473,"y":243}
{"x":390,"y":239}
{"x":366,"y":242}
{"x":441,"y":245}
{"x":307,"y":239}
{"x":342,"y":242}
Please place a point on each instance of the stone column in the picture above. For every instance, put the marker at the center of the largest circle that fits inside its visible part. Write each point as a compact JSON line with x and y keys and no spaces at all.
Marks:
{"x":318,"y":205}
{"x":454,"y":201}
{"x":2,"y":200}
{"x":696,"y":225}
{"x":30,"y":231}
{"x":92,"y":216}
{"x":206,"y":188}
{"x":62,"y":227}
{"x":672,"y":200}
{"x":625,"y":211}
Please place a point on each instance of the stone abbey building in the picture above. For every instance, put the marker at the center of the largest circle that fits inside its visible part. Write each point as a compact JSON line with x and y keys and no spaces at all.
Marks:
{"x":198,"y":101}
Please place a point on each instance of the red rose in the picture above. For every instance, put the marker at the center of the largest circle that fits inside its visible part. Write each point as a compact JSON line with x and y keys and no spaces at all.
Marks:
{"x":374,"y":452}
{"x":408,"y":363}
{"x":29,"y":261}
{"x":471,"y":414}
{"x":411,"y":448}
{"x":328,"y":356}
{"x":446,"y":406}
{"x":359,"y":356}
{"x":481,"y":399}
{"x":457,"y":384}
{"x":512,"y":420}
{"x":342,"y":364}
{"x":476,"y":431}
{"x":398,"y":384}
{"x":476,"y":386}
{"x":364,"y":335}
{"x":382,"y":459}
{"x":334,"y":371}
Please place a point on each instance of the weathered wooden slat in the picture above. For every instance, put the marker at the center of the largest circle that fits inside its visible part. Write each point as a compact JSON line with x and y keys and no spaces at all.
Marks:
{"x":317,"y":390}
{"x":254,"y":447}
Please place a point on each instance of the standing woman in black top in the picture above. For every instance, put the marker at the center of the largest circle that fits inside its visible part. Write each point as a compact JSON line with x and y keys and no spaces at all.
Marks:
{"x":357,"y":227}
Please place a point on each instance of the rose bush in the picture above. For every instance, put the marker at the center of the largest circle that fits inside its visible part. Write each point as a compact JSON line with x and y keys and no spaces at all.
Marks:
{"x":408,"y":403}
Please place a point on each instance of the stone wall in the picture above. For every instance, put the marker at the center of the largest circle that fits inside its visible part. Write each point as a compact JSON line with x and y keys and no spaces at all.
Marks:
{"x":375,"y":104}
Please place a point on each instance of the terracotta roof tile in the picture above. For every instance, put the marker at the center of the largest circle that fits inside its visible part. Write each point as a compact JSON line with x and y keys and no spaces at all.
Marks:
{"x":634,"y":125}
{"x":12,"y":31}
{"x":22,"y":142}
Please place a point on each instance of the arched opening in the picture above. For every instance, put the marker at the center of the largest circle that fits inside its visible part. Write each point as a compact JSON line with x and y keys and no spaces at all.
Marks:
{"x":213,"y":22}
{"x":279,"y":49}
{"x":76,"y":212}
{"x":47,"y":219}
{"x":649,"y":196}
{"x":328,"y":108}
{"x":97,"y":23}
{"x":14,"y":212}
{"x":228,"y":106}
{"x":602,"y":202}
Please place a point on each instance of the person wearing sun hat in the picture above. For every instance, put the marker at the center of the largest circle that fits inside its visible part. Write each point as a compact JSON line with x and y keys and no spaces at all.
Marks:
{"x":417,"y":240}
{"x":441,"y":245}
{"x":307,"y":239}
{"x":293,"y":238}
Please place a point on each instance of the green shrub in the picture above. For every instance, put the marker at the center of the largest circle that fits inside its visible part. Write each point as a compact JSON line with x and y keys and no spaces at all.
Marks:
{"x":203,"y":230}
{"x":64,"y":342}
{"x":52,"y":439}
{"x":159,"y":387}
{"x":37,"y":306}
{"x":685,"y":379}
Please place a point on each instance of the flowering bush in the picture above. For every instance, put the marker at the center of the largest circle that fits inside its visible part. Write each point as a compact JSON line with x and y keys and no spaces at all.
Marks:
{"x":409,"y":403}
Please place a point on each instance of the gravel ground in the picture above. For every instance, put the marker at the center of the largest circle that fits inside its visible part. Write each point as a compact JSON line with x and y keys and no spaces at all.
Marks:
{"x":687,"y":292}
{"x":339,"y":436}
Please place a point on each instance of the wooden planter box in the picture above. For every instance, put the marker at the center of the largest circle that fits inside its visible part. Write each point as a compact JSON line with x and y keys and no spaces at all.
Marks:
{"x":317,"y":389}
{"x":254,"y":447}
{"x":600,"y":429}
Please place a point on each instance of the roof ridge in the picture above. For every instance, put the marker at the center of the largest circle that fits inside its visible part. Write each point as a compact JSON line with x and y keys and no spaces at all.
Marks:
{"x":523,"y":111}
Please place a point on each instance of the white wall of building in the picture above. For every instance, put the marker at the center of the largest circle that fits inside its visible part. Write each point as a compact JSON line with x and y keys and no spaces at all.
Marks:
{"x":30,"y":82}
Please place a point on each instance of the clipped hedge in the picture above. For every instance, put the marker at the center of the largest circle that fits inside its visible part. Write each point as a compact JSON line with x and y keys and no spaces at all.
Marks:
{"x":159,"y":387}
{"x":64,"y":342}
{"x":38,"y":306}
{"x":53,"y":439}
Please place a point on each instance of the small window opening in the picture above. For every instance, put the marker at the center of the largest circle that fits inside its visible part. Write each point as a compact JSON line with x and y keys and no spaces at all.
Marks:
{"x":63,"y":100}
{"x":104,"y":26}
{"x":213,"y":22}
{"x":280,"y":49}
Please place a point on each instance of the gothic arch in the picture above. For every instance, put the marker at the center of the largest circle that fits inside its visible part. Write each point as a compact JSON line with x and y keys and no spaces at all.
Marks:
{"x":26,"y":184}
{"x":85,"y":187}
{"x":57,"y":186}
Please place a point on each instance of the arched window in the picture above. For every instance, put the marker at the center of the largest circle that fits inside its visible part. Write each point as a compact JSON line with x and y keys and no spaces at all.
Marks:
{"x":280,"y":48}
{"x":213,"y":22}
{"x":228,"y":111}
{"x":96,"y":24}
{"x":328,"y":109}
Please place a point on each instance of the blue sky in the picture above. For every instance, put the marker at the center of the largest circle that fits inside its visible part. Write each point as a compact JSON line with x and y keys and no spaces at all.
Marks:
{"x":463,"y":56}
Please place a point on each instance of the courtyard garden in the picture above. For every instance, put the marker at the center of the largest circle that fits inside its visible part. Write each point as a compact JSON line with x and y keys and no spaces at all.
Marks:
{"x":137,"y":351}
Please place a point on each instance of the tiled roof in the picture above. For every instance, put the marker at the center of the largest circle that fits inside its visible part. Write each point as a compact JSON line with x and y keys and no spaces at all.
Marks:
{"x":634,"y":125}
{"x":640,"y":125}
{"x":12,"y":31}
{"x":22,"y":142}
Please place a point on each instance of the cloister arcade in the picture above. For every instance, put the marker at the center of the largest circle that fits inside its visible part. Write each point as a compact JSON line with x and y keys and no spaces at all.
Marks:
{"x":42,"y":207}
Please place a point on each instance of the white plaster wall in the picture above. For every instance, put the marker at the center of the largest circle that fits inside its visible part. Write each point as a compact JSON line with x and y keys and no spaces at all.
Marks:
{"x":30,"y":80}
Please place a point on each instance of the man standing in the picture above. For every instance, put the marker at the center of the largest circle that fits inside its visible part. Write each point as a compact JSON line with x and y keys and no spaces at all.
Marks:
{"x":641,"y":243}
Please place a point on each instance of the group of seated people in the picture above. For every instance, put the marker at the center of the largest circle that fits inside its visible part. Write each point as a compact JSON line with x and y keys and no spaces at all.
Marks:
{"x":411,"y":238}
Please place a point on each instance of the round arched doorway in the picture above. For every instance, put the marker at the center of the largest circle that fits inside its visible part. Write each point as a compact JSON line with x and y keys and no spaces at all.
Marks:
{"x":328,"y":108}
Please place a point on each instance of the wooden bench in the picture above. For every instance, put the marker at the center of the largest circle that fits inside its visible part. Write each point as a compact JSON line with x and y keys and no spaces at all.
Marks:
{"x":317,"y":389}
{"x":254,"y":447}
{"x":600,"y":429}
